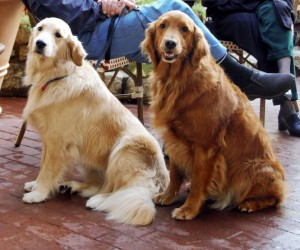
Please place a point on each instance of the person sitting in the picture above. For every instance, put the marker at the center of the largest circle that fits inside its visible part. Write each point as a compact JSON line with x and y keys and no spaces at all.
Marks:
{"x":263,"y":28}
{"x":89,"y":20}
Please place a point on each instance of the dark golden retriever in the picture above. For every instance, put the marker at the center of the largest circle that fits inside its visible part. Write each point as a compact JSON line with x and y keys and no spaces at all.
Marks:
{"x":211,"y":133}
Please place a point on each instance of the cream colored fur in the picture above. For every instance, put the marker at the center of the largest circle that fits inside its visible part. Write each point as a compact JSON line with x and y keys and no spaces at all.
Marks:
{"x":81,"y":122}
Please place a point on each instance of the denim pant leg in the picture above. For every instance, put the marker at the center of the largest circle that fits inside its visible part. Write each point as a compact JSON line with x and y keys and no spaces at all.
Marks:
{"x":130,"y":32}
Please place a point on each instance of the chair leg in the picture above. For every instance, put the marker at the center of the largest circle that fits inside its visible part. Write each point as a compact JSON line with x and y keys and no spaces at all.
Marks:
{"x":113,"y":78}
{"x":262,"y":111}
{"x":21,"y":134}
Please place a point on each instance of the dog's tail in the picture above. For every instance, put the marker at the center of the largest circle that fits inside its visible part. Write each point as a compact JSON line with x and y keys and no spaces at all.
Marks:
{"x":131,"y":205}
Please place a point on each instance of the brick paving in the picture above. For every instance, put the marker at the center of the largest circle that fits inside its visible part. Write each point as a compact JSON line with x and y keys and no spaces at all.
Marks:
{"x":64,"y":223}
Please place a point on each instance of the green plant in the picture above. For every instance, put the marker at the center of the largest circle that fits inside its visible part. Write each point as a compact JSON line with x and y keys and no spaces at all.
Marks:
{"x":142,"y":2}
{"x":146,"y":68}
{"x":25,"y":22}
{"x":199,"y":10}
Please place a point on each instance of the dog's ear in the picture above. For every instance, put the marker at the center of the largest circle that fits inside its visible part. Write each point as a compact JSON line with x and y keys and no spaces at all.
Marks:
{"x":148,"y":47}
{"x":200,"y":46}
{"x":77,"y":51}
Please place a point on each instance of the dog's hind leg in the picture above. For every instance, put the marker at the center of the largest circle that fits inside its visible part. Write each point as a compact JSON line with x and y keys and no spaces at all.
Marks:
{"x":268,"y":191}
{"x":49,"y":176}
{"x":132,"y":177}
{"x":91,"y":187}
{"x":257,"y":200}
{"x":83,"y":188}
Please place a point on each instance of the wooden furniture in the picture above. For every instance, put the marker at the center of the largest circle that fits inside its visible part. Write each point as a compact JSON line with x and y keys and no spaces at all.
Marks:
{"x":296,"y":4}
{"x":121,"y":64}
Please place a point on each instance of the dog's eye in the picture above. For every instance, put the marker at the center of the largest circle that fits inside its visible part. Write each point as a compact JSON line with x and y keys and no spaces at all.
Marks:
{"x":40,"y":28}
{"x":58,"y":35}
{"x":185,"y":29}
{"x":162,"y":26}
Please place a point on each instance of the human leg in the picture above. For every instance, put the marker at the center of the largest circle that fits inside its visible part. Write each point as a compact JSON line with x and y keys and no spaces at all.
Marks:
{"x":244,"y":31}
{"x":262,"y":85}
{"x":288,"y":118}
{"x":280,"y":49}
{"x":10,"y":15}
{"x":284,"y":64}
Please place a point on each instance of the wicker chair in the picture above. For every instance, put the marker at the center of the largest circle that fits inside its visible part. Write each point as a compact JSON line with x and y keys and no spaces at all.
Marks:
{"x":121,"y":64}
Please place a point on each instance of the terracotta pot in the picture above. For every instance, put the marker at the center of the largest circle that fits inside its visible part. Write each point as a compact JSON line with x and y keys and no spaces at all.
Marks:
{"x":10,"y":14}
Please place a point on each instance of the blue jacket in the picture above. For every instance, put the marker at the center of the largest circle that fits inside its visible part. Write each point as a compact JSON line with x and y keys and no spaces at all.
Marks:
{"x":88,"y":13}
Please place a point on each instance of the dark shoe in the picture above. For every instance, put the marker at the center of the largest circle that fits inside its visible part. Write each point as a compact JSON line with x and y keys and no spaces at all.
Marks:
{"x":268,"y":85}
{"x":292,"y":124}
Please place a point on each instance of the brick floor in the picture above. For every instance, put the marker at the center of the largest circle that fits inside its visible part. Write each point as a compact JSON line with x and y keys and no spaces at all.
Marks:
{"x":64,"y":222}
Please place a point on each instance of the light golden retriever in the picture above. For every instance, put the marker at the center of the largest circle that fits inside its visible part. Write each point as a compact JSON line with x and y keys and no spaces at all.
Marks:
{"x":210,"y":131}
{"x":81,"y":122}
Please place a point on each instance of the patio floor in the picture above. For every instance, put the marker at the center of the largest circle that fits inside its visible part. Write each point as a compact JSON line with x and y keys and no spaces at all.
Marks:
{"x":64,"y":223}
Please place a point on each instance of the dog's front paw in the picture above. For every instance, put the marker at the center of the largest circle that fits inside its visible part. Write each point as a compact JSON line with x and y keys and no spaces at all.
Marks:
{"x":35,"y":197}
{"x":184,"y":213}
{"x":164,"y":199}
{"x":95,"y":202}
{"x":30,"y":186}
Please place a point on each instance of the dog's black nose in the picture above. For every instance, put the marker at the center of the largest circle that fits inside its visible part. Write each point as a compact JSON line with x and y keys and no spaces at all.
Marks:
{"x":170,"y":44}
{"x":40,"y":44}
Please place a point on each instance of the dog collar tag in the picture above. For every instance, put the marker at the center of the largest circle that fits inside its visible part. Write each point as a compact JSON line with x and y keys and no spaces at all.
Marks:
{"x":44,"y":87}
{"x":53,"y":80}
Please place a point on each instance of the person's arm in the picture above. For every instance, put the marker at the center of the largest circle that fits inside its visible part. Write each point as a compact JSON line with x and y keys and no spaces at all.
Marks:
{"x":80,"y":15}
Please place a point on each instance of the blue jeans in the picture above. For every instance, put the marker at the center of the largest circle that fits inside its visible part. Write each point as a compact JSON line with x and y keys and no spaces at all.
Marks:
{"x":129,"y":29}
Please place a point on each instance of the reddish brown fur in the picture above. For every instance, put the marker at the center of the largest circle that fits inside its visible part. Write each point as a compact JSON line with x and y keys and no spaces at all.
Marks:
{"x":210,"y":131}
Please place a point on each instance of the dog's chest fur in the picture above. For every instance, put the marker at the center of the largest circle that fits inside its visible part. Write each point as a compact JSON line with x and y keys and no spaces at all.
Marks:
{"x":189,"y":114}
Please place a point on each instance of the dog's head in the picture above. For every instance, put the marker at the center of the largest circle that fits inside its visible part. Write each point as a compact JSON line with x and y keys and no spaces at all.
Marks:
{"x":52,"y":38}
{"x":174,"y":36}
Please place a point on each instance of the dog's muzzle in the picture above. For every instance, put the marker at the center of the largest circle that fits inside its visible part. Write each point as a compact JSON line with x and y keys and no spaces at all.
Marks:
{"x":169,"y":54}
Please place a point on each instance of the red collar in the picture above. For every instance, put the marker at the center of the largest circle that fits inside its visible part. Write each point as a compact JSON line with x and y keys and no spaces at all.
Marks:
{"x":52,"y":80}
